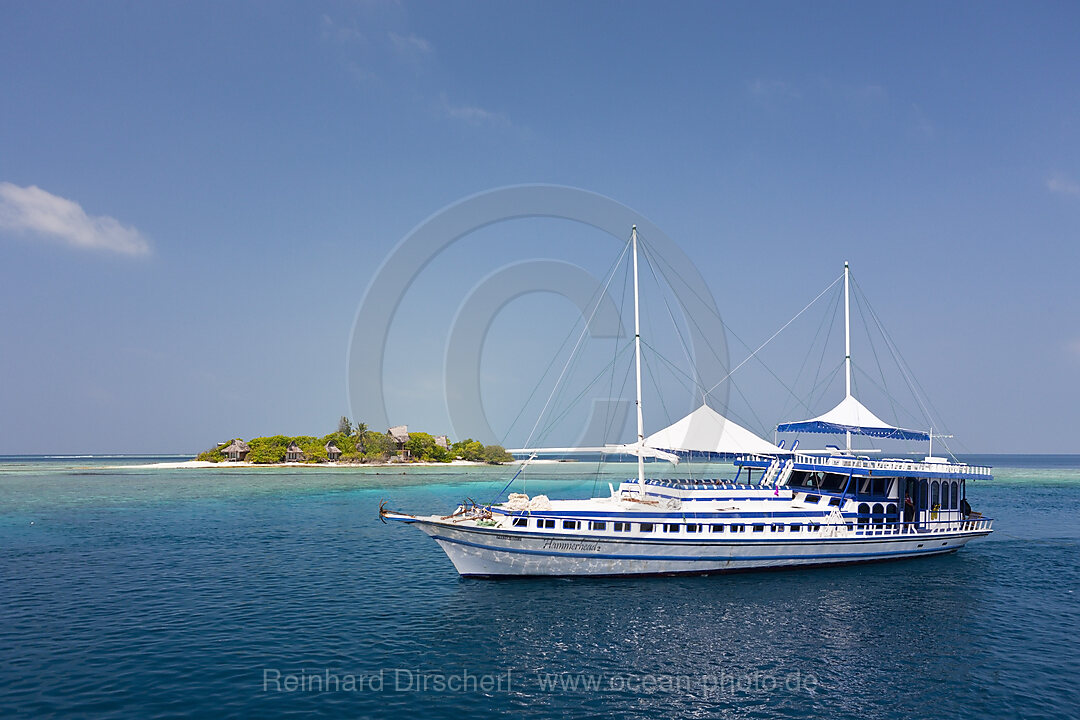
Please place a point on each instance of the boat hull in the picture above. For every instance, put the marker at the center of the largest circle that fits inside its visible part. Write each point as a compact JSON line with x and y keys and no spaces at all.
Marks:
{"x":477,"y":552}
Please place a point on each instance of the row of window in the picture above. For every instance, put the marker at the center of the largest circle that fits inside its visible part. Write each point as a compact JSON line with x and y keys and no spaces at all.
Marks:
{"x":880,"y":512}
{"x":946,"y":494}
{"x":549,"y":524}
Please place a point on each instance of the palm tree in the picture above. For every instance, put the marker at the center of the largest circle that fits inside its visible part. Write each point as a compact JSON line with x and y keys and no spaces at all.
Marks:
{"x":360,"y":430}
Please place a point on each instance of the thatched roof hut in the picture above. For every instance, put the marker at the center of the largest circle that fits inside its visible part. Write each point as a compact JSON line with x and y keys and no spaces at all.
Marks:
{"x":293,"y":453}
{"x":333,"y":452}
{"x":236,"y":450}
{"x":400,"y":435}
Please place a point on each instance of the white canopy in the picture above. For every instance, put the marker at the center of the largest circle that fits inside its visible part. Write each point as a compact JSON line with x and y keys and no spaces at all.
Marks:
{"x":706,"y":430}
{"x":854,"y":417}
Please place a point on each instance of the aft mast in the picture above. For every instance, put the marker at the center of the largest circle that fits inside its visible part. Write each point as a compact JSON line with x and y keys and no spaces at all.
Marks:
{"x":847,"y":344}
{"x":637,"y":363}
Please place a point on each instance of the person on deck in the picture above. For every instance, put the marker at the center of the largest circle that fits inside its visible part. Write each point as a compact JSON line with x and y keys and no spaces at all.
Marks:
{"x":909,"y":511}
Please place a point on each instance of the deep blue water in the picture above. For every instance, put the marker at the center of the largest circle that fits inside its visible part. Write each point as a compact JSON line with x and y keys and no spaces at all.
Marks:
{"x":133,"y":592}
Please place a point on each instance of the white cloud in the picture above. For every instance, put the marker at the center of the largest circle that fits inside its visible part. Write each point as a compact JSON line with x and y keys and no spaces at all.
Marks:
{"x":772,"y":88}
{"x":922,"y":122}
{"x":411,"y":45}
{"x":339,"y":32}
{"x":472,"y":114}
{"x":1063,"y":185}
{"x":34,"y":211}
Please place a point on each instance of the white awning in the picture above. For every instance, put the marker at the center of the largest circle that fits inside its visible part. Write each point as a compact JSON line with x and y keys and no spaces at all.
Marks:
{"x":853,"y":417}
{"x":706,"y":430}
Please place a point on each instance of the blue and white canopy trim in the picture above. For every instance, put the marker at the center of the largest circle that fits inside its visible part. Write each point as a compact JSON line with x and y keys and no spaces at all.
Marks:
{"x":851,"y":416}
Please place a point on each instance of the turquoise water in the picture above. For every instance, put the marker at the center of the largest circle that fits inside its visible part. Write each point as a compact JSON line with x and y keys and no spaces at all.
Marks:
{"x":133,"y":592}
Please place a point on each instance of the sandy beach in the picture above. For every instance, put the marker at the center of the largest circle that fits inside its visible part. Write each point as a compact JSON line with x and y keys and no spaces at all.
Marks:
{"x":204,"y":464}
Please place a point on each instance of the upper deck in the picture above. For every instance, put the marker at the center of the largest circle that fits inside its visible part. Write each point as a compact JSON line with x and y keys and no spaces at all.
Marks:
{"x":865,"y":467}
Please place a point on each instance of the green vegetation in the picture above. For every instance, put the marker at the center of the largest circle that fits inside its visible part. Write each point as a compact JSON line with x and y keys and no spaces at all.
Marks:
{"x":476,"y":451}
{"x":358,"y":444}
{"x":214,"y":454}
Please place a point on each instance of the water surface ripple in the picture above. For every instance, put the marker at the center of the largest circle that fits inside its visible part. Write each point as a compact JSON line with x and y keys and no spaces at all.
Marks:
{"x":141,"y":593}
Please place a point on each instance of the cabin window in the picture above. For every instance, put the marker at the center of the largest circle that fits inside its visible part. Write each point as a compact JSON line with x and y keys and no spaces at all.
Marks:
{"x":955,"y":496}
{"x":879,"y":486}
{"x":569,"y":524}
{"x":646,"y":527}
{"x":521,"y":522}
{"x":758,"y":527}
{"x":597,"y":525}
{"x":778,"y":528}
{"x":545,"y":524}
{"x":864,"y":510}
{"x":736,"y":528}
{"x":691,"y":527}
{"x":890,"y":512}
{"x":864,"y":486}
{"x":717,"y":528}
{"x":796,"y":527}
{"x":813,"y":498}
{"x":878,"y":511}
{"x":834,"y":482}
{"x":835,"y":502}
{"x":621,"y":527}
{"x":935,"y":494}
{"x":671,"y":527}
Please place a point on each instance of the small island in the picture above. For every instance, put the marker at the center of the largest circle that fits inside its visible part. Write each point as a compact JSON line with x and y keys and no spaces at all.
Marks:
{"x":355,"y":444}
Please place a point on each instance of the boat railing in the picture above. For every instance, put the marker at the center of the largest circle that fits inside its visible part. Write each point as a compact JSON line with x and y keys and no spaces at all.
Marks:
{"x":915,"y":467}
{"x":927,"y":527}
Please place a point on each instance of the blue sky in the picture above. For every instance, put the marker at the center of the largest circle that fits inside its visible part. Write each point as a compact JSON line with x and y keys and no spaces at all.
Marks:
{"x":194,"y":197}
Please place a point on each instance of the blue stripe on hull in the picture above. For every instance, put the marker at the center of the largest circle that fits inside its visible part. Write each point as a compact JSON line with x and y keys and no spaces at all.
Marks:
{"x":701,"y":558}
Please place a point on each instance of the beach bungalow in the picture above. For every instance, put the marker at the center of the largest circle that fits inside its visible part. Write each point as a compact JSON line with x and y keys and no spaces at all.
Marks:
{"x":332,"y":451}
{"x":293,"y":453}
{"x":400,"y":435}
{"x":236,"y":450}
{"x":443,"y":442}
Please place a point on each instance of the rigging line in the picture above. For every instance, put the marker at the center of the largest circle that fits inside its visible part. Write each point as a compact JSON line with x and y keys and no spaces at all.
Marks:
{"x":885,"y":391}
{"x":656,"y":384}
{"x":678,"y":330}
{"x":555,"y":356}
{"x":663,"y":262}
{"x":758,"y":422}
{"x":693,"y":381}
{"x":622,"y":389}
{"x":859,"y":301}
{"x":609,"y":414}
{"x":553,"y":422}
{"x":691,"y":319}
{"x":608,"y":418}
{"x":727,"y":410}
{"x":771,"y":337}
{"x":581,"y":337}
{"x":825,"y":322}
{"x":909,"y":376}
{"x":826,"y":382}
{"x":821,"y":359}
{"x":520,"y":470}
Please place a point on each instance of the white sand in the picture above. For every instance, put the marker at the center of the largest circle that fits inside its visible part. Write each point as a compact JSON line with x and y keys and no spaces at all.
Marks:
{"x":200,"y":464}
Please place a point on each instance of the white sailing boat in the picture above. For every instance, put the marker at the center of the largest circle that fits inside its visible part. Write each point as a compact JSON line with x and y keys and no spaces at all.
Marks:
{"x":799,"y":510}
